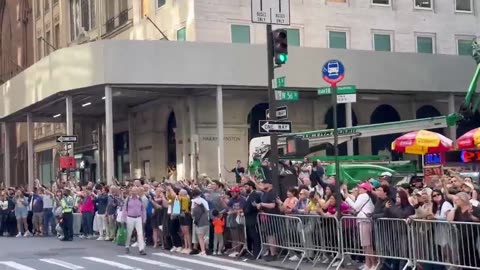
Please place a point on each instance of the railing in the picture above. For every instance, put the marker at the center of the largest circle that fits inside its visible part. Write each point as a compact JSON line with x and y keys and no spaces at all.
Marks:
{"x":393,"y":243}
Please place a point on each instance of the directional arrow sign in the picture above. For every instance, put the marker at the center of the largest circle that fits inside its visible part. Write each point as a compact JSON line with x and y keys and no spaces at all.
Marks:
{"x":281,"y":113}
{"x":269,"y":127}
{"x":67,"y":139}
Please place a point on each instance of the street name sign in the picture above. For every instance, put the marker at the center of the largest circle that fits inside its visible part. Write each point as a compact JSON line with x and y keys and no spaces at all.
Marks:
{"x":286,"y":95}
{"x":345,"y":94}
{"x":281,"y":113}
{"x":271,"y":12}
{"x":279,"y":127}
{"x":333,"y":72}
{"x":67,"y":139}
{"x":279,"y":82}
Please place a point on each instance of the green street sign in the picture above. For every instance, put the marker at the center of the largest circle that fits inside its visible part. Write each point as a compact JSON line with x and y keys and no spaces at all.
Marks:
{"x":341,"y":90}
{"x":279,"y":82}
{"x":286,"y":95}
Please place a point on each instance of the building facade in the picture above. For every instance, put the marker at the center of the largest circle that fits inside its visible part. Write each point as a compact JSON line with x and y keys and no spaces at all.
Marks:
{"x":409,"y":26}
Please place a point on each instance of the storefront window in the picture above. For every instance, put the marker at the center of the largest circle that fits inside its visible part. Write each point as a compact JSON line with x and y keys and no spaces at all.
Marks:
{"x":122,"y":160}
{"x":46,"y":167}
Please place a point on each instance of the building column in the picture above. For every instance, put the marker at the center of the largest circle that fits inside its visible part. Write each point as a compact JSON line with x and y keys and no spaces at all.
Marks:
{"x":132,"y":145}
{"x":451,"y":109}
{"x":185,"y":150}
{"x":193,"y":132}
{"x":349,"y":123}
{"x":30,"y":152}
{"x":220,"y":142}
{"x":109,"y":157}
{"x":6,"y":155}
{"x":69,"y":120}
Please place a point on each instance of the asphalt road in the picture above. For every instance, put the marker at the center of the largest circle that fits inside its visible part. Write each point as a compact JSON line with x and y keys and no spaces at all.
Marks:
{"x":51,"y":254}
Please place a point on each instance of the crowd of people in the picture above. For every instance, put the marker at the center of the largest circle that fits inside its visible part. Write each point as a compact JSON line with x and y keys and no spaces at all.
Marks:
{"x":205,"y":216}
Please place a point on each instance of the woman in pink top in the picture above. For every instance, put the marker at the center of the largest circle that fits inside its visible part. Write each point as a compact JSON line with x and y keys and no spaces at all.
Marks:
{"x":289,"y":204}
{"x":88,"y":212}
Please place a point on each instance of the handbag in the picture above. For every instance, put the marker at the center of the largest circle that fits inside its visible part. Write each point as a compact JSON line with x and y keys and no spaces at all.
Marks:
{"x":121,"y":237}
{"x":176,"y":207}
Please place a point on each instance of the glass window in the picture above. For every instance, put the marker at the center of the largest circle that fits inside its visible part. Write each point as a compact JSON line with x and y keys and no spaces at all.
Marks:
{"x":82,"y":16}
{"x":463,"y":5}
{"x":160,"y":3}
{"x":293,"y":37}
{"x":47,"y":47}
{"x":56,"y":36}
{"x":382,"y":42}
{"x":337,"y":40}
{"x":423,"y":4}
{"x":381,"y":2}
{"x":181,"y":34}
{"x":240,"y":33}
{"x":425,"y":45}
{"x":39,"y":48}
{"x":464,"y":47}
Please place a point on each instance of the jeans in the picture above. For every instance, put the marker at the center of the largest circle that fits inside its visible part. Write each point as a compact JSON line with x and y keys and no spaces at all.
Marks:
{"x":87,"y":223}
{"x":48,"y":221}
{"x":101,"y":225}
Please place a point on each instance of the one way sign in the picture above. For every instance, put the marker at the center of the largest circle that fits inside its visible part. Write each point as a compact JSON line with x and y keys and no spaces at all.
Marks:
{"x":269,"y":127}
{"x":67,"y":139}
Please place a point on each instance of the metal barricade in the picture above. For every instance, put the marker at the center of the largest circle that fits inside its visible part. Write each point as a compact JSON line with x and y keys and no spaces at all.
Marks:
{"x":454,"y":244}
{"x":322,"y":237}
{"x":383,"y":238}
{"x":283,"y":232}
{"x":237,"y":234}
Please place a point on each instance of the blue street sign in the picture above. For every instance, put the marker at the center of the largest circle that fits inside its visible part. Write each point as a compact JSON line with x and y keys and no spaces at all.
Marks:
{"x":333,"y":71}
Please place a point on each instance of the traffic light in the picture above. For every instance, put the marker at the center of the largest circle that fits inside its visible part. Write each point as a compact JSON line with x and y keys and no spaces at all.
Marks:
{"x":280,"y":46}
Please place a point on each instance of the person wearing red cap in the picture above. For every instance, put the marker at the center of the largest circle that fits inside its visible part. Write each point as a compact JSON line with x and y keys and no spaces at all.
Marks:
{"x":235,"y":218}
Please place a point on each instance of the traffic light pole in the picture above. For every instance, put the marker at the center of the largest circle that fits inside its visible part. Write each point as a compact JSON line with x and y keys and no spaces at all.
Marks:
{"x":338,"y":196}
{"x":272,"y":106}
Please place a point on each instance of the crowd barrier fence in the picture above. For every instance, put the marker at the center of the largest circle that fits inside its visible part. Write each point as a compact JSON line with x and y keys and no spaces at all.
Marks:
{"x":397,"y":243}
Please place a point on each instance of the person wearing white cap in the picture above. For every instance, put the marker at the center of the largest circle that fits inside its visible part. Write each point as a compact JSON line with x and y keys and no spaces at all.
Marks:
{"x":386,"y":180}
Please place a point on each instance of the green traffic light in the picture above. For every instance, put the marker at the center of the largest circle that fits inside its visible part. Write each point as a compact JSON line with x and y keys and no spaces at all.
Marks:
{"x":283,"y":57}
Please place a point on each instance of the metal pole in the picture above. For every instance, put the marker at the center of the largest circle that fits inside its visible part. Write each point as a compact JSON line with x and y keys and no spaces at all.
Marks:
{"x":109,"y":157}
{"x":272,"y":106}
{"x":193,"y":131}
{"x":349,"y":123}
{"x":6,"y":155}
{"x":132,"y":146}
{"x":451,"y":110}
{"x":338,"y":197}
{"x":30,"y":152}
{"x":69,"y":120}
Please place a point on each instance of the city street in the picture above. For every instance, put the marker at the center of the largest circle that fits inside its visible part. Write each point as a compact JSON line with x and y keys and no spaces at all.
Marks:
{"x":51,"y":254}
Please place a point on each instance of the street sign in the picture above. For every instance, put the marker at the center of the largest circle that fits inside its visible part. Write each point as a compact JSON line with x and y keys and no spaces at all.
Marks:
{"x":352,"y":98}
{"x":269,"y":126}
{"x":271,"y":11}
{"x":281,"y":113}
{"x":333,"y":72}
{"x":286,"y":95}
{"x":67,"y":139}
{"x":67,"y":163}
{"x":341,"y":90}
{"x":279,"y":82}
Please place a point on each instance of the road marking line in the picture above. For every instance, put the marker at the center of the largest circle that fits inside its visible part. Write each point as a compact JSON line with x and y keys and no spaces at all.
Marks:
{"x":152,"y":262}
{"x":250,"y":265}
{"x":114,"y":264}
{"x":178,"y":258}
{"x":17,"y":266}
{"x":62,"y":264}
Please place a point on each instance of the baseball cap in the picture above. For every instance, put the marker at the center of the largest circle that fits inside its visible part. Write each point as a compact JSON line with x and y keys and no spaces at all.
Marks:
{"x":365,"y":186}
{"x":235,"y":189}
{"x":375,"y":183}
{"x":389,"y":174}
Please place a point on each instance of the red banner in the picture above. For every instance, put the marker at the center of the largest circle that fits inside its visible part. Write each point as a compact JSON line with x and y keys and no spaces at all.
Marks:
{"x":67,"y":163}
{"x":432,"y":172}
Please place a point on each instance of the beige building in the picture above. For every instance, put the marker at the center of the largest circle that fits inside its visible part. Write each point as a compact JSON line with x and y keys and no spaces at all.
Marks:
{"x":16,"y":54}
{"x":162,"y":117}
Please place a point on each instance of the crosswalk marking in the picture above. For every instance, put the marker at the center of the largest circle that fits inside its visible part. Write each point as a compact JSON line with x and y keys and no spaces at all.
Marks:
{"x":152,"y":262}
{"x":114,"y":264}
{"x":17,"y":266}
{"x":62,"y":264}
{"x":178,"y":258}
{"x":249,"y":265}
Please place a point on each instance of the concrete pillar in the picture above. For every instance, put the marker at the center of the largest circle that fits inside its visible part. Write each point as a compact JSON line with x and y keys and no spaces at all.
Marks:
{"x":184,"y":124}
{"x":30,"y":152}
{"x":69,"y":120}
{"x":6,"y":155}
{"x":132,"y":145}
{"x":109,"y":157}
{"x":193,"y":132}
{"x":220,"y":142}
{"x":349,"y":123}
{"x":451,"y":109}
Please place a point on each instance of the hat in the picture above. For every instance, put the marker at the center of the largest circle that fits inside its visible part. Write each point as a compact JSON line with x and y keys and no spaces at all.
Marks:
{"x":251,"y":184}
{"x":389,"y":174}
{"x":365,"y":186}
{"x":374,"y":183}
{"x":469,"y":184}
{"x":235,"y":189}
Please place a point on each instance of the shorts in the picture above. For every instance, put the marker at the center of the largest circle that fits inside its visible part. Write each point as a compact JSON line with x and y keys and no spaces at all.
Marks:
{"x":21,"y":213}
{"x":185,"y":220}
{"x":205,"y":230}
{"x":365,"y":230}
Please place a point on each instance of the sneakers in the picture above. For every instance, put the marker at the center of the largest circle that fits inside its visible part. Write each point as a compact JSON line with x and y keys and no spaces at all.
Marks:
{"x":142,"y":252}
{"x":203,"y":253}
{"x":233,"y":254}
{"x":100,"y":239}
{"x":135,"y":244}
{"x":127,"y":250}
{"x":19,"y":235}
{"x":107,"y":239}
{"x":82,"y":236}
{"x":27,"y":234}
{"x":294,"y":258}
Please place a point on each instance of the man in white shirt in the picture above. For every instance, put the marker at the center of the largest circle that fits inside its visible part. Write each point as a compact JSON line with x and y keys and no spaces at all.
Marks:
{"x":48,"y":218}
